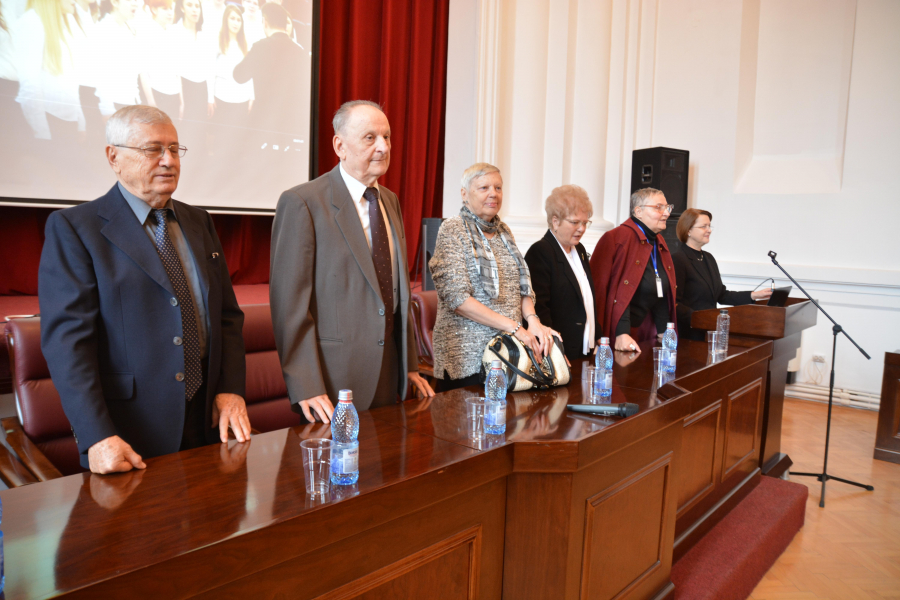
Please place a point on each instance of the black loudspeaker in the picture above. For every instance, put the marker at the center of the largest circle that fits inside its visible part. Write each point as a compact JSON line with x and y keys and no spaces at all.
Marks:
{"x":665,"y":169}
{"x":430,"y":229}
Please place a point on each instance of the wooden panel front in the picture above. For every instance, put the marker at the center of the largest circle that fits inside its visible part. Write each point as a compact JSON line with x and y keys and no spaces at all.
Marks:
{"x":455,"y":546}
{"x":719,"y":460}
{"x":632,"y":510}
{"x":451,"y":566}
{"x":698,"y":468}
{"x":887,"y":435}
{"x":742,"y":427}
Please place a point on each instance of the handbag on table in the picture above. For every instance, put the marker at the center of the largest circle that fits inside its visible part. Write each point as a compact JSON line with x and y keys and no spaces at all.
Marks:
{"x":523,"y":370}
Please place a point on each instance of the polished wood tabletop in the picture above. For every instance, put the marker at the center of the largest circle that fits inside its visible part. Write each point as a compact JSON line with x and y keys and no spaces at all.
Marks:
{"x":72,"y":533}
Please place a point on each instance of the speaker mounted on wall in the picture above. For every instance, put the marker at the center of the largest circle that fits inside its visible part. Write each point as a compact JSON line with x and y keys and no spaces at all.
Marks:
{"x":665,"y":169}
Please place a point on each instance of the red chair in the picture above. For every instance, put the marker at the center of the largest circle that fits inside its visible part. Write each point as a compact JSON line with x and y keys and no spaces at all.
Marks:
{"x":267,"y":399}
{"x":41,"y":435}
{"x":423,"y":310}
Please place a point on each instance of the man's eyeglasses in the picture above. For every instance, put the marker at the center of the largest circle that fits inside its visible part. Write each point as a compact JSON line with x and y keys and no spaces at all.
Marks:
{"x":660,"y":208}
{"x":579,"y":223}
{"x":155,"y":151}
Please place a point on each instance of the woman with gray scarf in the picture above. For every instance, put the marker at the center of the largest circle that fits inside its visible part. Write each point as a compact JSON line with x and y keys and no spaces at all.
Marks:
{"x":482,"y":282}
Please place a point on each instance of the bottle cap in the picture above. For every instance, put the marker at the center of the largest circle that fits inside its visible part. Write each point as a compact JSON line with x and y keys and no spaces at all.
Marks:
{"x":345,"y":396}
{"x":496,"y":364}
{"x":723,"y":311}
{"x":604,"y":341}
{"x":670,"y":325}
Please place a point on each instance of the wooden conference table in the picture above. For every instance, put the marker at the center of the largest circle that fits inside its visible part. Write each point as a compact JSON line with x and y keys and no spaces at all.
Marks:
{"x":561,"y":506}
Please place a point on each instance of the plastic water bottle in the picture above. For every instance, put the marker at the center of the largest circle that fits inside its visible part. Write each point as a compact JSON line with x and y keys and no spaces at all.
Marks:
{"x":344,"y":431}
{"x":670,"y":343}
{"x":723,"y":324}
{"x":495,"y":400}
{"x":604,"y":363}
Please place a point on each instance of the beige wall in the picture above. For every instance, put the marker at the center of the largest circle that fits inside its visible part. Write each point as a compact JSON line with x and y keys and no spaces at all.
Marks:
{"x":790,"y":109}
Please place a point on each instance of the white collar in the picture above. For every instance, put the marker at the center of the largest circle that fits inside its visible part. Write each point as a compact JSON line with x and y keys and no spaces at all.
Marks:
{"x":561,"y":246}
{"x":355,"y":186}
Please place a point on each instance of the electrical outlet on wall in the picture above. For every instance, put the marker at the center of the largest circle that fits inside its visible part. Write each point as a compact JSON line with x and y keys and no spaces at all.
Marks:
{"x":818,"y":358}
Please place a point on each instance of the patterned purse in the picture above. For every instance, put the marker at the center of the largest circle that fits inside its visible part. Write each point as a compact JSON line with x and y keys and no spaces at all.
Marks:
{"x":523,"y":371}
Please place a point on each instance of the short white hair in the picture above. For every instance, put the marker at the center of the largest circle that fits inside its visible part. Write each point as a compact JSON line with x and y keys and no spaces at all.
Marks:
{"x":121,"y":125}
{"x":342,"y":115}
{"x":474,"y":172}
{"x":637,"y":198}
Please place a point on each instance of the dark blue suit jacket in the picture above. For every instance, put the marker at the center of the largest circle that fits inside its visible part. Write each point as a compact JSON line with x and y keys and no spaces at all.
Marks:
{"x":108,"y":324}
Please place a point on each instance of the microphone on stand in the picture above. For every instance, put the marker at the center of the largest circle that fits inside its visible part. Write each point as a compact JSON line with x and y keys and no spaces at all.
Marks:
{"x":625,"y":409}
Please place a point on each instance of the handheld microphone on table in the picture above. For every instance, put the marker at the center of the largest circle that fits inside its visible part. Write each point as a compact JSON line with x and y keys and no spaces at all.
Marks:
{"x":626,"y":409}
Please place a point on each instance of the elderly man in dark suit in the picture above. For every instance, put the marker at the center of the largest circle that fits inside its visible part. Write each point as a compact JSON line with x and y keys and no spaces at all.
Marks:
{"x":139,"y":323}
{"x":339,"y":285}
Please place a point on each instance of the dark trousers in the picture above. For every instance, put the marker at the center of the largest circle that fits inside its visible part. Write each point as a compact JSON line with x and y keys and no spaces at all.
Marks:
{"x":446,"y":384}
{"x":196,"y":429}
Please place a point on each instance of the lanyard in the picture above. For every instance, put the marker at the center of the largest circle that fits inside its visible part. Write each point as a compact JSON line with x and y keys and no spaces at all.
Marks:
{"x":659,"y":289}
{"x":652,"y":252}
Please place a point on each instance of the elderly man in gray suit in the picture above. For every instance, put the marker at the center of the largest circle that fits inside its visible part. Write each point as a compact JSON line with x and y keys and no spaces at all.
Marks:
{"x":339,"y":285}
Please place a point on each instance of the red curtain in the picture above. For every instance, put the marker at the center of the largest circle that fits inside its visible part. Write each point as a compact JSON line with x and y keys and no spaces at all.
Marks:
{"x":391,"y":51}
{"x":395,"y":53}
{"x":21,"y":241}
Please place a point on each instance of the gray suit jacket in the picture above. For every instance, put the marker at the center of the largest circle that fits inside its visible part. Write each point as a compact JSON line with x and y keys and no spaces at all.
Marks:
{"x":326,"y":304}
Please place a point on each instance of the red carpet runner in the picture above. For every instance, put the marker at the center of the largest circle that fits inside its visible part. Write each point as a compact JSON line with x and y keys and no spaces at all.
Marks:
{"x":733,"y":557}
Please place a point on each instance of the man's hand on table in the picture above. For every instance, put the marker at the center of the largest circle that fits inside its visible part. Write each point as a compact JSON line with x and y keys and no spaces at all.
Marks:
{"x":317,"y":408}
{"x":423,"y":390}
{"x":231,"y":411}
{"x":113,"y":455}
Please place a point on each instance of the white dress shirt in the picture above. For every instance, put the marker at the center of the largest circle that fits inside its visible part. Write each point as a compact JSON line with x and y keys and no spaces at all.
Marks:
{"x":357,"y":189}
{"x":160,"y":58}
{"x":195,"y":52}
{"x":221,"y":83}
{"x":586,"y":296}
{"x":117,"y":63}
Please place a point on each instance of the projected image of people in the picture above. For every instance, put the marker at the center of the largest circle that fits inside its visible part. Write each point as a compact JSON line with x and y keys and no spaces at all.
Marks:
{"x":230,"y":101}
{"x":43,"y":42}
{"x":67,"y":65}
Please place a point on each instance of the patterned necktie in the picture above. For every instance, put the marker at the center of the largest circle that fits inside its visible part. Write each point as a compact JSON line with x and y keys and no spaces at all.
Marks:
{"x":193,"y":373}
{"x":381,"y":257}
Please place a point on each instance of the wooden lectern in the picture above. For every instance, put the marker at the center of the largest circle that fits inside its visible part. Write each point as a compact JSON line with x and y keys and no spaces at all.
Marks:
{"x":783,"y":326}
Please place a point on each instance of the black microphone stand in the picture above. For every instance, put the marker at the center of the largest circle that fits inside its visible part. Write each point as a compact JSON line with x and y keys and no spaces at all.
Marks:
{"x":824,"y":476}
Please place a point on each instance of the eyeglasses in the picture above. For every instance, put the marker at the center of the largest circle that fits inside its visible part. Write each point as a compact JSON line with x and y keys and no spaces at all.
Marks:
{"x":155,"y":151}
{"x":661,"y":208}
{"x":579,"y":223}
{"x":706,"y":227}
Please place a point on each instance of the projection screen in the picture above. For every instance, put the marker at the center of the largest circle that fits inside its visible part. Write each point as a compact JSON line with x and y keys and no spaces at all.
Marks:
{"x":239,"y":98}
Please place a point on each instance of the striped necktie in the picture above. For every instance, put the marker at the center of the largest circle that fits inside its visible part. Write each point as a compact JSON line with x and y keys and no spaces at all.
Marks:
{"x":381,"y":257}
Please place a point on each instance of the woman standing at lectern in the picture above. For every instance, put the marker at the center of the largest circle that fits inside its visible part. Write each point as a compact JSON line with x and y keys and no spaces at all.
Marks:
{"x":700,"y":285}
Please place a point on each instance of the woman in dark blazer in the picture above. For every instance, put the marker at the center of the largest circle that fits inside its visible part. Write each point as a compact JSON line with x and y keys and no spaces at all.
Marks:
{"x":699,"y":283}
{"x":561,"y":273}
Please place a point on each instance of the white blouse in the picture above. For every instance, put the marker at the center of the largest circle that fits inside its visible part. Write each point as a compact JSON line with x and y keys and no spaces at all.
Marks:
{"x":116,"y":64}
{"x":586,"y":296}
{"x":159,"y":58}
{"x":221,"y":83}
{"x":41,"y":93}
{"x":195,"y":53}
